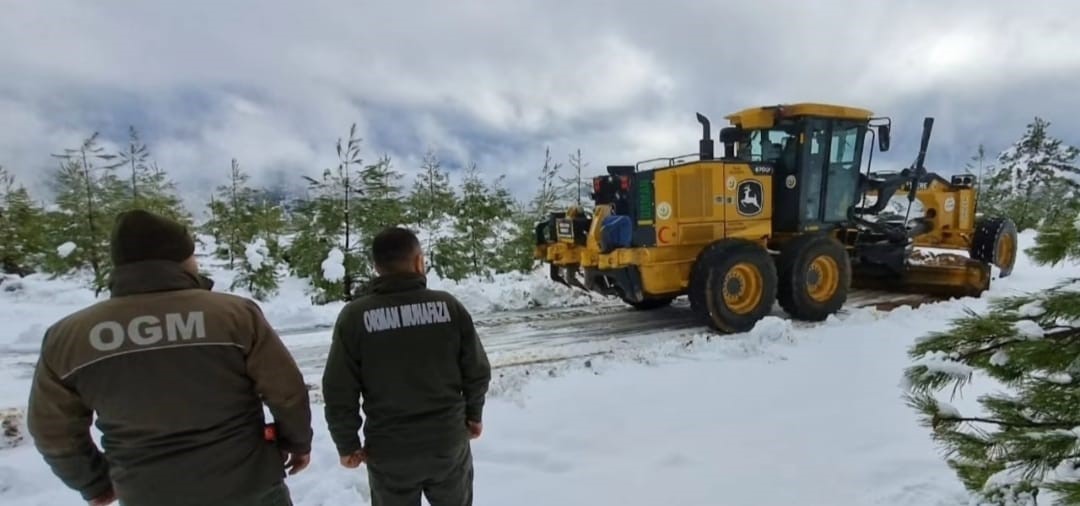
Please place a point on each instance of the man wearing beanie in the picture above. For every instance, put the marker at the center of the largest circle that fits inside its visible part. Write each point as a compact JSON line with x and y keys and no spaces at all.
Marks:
{"x":177,"y":377}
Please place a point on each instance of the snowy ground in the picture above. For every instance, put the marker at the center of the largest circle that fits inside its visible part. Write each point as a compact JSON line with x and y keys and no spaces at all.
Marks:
{"x":652,"y":412}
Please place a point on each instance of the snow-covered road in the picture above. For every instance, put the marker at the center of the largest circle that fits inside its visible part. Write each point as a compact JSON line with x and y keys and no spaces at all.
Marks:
{"x":539,"y":336}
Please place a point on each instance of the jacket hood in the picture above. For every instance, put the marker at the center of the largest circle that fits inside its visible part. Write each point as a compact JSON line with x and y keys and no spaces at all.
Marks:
{"x":154,"y":276}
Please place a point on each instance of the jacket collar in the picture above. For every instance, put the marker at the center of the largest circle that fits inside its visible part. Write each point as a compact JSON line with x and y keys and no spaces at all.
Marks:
{"x":397,"y":282}
{"x":154,"y":276}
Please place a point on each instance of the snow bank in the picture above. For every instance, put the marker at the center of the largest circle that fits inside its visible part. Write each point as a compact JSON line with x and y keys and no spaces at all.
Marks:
{"x":512,"y":291}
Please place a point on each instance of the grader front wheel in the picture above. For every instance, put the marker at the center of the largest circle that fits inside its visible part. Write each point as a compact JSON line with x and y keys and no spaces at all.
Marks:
{"x":732,"y":285}
{"x":815,"y":275}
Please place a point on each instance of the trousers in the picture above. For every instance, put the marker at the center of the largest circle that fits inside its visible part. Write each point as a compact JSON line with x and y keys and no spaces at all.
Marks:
{"x":277,"y":495}
{"x":445,"y":479}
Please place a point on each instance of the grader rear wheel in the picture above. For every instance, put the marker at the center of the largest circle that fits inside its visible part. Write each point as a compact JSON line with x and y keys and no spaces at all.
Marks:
{"x":732,"y":285}
{"x":814,"y":276}
{"x":995,"y":243}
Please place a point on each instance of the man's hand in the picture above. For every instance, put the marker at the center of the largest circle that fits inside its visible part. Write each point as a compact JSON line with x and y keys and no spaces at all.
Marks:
{"x":354,"y":459}
{"x":296,"y":462}
{"x":475,"y":428}
{"x":104,"y":499}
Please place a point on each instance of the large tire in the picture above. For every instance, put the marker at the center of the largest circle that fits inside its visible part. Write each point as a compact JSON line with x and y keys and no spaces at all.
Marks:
{"x":814,"y":277}
{"x":732,"y":285}
{"x":995,"y":243}
{"x":650,"y":304}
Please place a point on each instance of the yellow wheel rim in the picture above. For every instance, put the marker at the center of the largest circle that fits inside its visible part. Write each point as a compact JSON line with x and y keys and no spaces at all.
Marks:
{"x":1005,"y":251}
{"x":743,"y":288}
{"x":823,"y":278}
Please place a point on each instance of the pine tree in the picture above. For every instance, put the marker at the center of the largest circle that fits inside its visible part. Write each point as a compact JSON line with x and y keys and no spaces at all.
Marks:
{"x":246,"y":227}
{"x":87,"y":199}
{"x":431,"y":203}
{"x":259,"y":269}
{"x":326,"y":247}
{"x":22,"y":225}
{"x":379,"y":205}
{"x":233,"y":214}
{"x":1027,"y":443}
{"x":482,"y":222}
{"x":159,"y":194}
{"x":577,"y":187}
{"x":147,"y":185}
{"x":554,"y":191}
{"x":133,"y":158}
{"x":1033,"y":178}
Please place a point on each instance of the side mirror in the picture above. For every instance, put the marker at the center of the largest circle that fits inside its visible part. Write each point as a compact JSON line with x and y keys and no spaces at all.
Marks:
{"x":731,"y":134}
{"x":883,"y":137}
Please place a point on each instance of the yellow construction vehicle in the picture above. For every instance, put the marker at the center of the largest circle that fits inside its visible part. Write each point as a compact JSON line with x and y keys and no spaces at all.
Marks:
{"x":785,"y":215}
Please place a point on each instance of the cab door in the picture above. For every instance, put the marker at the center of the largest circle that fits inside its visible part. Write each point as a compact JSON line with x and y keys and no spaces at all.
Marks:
{"x":842,"y":170}
{"x":831,"y":157}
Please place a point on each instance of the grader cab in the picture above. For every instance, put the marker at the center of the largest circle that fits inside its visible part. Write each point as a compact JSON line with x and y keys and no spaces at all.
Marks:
{"x":786,"y":214}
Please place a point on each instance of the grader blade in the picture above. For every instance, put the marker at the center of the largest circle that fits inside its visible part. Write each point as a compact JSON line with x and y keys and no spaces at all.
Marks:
{"x":566,"y":275}
{"x":572,"y":278}
{"x":944,"y":276}
{"x":555,"y":272}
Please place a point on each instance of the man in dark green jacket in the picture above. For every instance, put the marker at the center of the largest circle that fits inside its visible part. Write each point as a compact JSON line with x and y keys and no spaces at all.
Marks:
{"x":413,"y":356}
{"x":177,"y":376}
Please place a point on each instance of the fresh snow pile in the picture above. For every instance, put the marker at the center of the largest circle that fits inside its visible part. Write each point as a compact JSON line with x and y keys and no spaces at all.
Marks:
{"x":1029,"y":329}
{"x":333,"y":268}
{"x":512,"y":291}
{"x":256,"y":253}
{"x":65,"y":249}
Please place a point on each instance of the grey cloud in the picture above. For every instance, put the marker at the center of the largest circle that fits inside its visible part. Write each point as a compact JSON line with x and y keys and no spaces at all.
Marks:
{"x":274,"y":84}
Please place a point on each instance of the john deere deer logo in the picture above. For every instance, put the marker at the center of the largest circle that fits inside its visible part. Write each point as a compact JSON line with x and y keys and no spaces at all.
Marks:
{"x":750,"y":198}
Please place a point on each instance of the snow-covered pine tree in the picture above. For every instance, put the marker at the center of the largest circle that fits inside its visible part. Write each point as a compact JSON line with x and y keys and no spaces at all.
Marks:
{"x":1032,"y":178}
{"x":259,"y":268}
{"x":232,"y":215}
{"x":147,"y":186}
{"x":87,"y":200}
{"x":22,"y":227}
{"x":1026,"y":442}
{"x":246,"y":227}
{"x":326,"y":248}
{"x":430,"y":204}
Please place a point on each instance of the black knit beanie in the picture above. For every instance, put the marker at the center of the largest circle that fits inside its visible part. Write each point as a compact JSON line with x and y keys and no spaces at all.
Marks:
{"x":140,"y":235}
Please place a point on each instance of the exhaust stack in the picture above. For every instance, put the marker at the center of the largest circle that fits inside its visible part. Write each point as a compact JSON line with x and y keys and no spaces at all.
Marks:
{"x":705,"y":146}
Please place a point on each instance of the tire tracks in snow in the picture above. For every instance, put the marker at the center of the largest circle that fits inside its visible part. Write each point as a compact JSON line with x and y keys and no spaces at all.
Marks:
{"x":546,"y":337}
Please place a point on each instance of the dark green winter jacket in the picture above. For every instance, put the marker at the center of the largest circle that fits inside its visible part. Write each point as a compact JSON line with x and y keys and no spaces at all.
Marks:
{"x":177,"y":377}
{"x":412,"y":356}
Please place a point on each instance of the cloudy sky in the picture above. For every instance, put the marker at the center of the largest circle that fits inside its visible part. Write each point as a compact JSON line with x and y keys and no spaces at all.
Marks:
{"x":275,"y":83}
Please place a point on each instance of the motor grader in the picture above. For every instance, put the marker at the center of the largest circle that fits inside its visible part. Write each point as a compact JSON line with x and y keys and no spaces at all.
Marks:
{"x":786,"y":215}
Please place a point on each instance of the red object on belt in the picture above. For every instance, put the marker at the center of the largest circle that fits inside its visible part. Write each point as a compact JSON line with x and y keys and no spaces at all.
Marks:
{"x":270,"y":432}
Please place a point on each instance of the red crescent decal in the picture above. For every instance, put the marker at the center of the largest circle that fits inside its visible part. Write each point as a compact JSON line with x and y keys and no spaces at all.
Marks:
{"x":660,"y":234}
